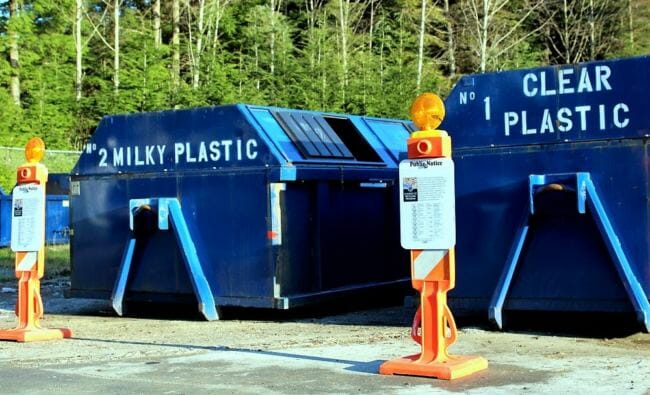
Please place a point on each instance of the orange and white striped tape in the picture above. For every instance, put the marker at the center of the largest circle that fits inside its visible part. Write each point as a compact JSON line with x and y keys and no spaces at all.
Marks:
{"x":27,"y":262}
{"x":424,"y":261}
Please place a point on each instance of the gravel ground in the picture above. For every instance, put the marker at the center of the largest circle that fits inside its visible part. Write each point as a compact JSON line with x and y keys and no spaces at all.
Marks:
{"x":254,"y":351}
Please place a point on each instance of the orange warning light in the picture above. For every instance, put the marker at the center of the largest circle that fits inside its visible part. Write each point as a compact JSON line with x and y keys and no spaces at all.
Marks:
{"x":34,"y":150}
{"x":427,"y":111}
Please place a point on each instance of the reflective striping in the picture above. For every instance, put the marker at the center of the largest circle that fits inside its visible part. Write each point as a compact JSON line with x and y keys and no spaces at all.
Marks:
{"x":425,"y":261}
{"x":275,"y":234}
{"x":27,"y":262}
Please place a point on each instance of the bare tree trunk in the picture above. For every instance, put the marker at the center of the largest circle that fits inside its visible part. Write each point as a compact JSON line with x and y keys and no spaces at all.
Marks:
{"x":381,"y":59}
{"x":196,"y":67}
{"x":176,"y":43}
{"x":273,"y":4}
{"x":492,"y":37}
{"x":344,"y":13}
{"x":311,"y":23}
{"x":567,"y":49}
{"x":423,"y":17}
{"x":319,"y":60}
{"x":13,"y":54}
{"x":370,"y":39}
{"x":157,"y":32}
{"x":592,"y":31}
{"x":116,"y":47}
{"x":78,"y":48}
{"x":450,"y":41}
{"x":484,"y":34}
{"x":257,"y":59}
{"x":630,"y":23}
{"x":219,"y":10}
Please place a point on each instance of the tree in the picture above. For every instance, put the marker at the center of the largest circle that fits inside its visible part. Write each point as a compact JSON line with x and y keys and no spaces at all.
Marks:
{"x":494,"y":29}
{"x":79,"y":10}
{"x":12,"y":30}
{"x":116,"y":46}
{"x":176,"y":44}
{"x":580,"y":30}
{"x":157,"y":32}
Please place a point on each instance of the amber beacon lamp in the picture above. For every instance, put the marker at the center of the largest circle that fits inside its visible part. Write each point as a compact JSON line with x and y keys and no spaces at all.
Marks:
{"x":428,"y":230}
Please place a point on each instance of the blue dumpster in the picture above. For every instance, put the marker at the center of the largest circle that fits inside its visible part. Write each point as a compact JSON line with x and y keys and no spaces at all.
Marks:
{"x":5,"y":218}
{"x":553,"y":189}
{"x":237,"y":206}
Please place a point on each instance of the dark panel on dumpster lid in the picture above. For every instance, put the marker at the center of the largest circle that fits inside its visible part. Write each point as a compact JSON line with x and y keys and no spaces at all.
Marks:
{"x":203,"y":138}
{"x":587,"y":101}
{"x":325,"y":137}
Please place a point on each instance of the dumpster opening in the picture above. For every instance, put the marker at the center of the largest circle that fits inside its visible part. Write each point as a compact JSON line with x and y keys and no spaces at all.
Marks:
{"x":351,"y":137}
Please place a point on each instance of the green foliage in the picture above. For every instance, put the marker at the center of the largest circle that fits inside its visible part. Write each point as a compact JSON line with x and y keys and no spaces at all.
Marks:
{"x":290,"y":56}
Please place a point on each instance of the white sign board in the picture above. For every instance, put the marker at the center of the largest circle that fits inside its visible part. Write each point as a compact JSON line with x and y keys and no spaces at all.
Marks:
{"x":427,"y":204}
{"x":28,"y":218}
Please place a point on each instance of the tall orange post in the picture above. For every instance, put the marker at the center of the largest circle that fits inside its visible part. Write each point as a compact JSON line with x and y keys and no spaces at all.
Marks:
{"x":428,"y":229}
{"x":28,"y":242}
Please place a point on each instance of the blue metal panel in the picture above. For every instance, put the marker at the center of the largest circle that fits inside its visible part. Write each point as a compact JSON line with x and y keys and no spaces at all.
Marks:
{"x":582,"y":190}
{"x":393,"y":135}
{"x":171,"y":141}
{"x":566,"y":266}
{"x":57,"y":219}
{"x":587,"y":101}
{"x":5,"y":219}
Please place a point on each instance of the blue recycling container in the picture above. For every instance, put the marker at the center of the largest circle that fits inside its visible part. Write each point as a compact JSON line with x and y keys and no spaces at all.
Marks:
{"x":237,"y":206}
{"x":5,"y":218}
{"x":553,"y":188}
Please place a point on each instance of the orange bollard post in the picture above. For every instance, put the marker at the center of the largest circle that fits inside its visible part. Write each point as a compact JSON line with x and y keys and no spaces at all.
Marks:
{"x":28,"y":242}
{"x":427,"y":219}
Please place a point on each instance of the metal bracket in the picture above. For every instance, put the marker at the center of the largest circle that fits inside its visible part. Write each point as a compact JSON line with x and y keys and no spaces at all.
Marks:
{"x":169,"y":209}
{"x":586,"y":196}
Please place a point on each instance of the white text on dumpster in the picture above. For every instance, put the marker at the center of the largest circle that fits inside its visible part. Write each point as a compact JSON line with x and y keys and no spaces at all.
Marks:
{"x":183,"y":153}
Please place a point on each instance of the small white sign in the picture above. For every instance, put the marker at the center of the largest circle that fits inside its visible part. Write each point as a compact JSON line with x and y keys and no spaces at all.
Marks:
{"x":75,"y":188}
{"x":28,"y":218}
{"x":427,"y":204}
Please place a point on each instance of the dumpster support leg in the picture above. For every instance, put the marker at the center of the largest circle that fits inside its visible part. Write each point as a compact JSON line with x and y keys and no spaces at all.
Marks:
{"x":499,"y":296}
{"x":122,"y":277}
{"x":634,"y":290}
{"x":587,"y":196}
{"x":170,"y":207}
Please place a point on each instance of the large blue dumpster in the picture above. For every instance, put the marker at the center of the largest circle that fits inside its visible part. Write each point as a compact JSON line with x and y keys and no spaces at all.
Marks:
{"x":237,"y":205}
{"x":553,"y":188}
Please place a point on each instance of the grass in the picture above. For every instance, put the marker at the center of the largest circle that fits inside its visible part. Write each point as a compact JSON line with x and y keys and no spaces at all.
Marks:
{"x":57,"y":262}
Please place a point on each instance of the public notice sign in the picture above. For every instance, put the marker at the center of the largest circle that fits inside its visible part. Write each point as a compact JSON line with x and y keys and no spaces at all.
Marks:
{"x":427,"y":204}
{"x":27,"y":218}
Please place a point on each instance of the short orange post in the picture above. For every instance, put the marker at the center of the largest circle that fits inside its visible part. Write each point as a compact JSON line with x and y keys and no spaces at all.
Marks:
{"x":427,"y":216}
{"x":28,"y":241}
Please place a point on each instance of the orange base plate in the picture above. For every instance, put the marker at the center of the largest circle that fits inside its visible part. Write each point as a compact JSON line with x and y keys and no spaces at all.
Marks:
{"x":455,"y":367}
{"x":34,"y":334}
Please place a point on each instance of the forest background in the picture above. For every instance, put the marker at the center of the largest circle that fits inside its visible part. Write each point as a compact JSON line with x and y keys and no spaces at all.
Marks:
{"x":66,"y":63}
